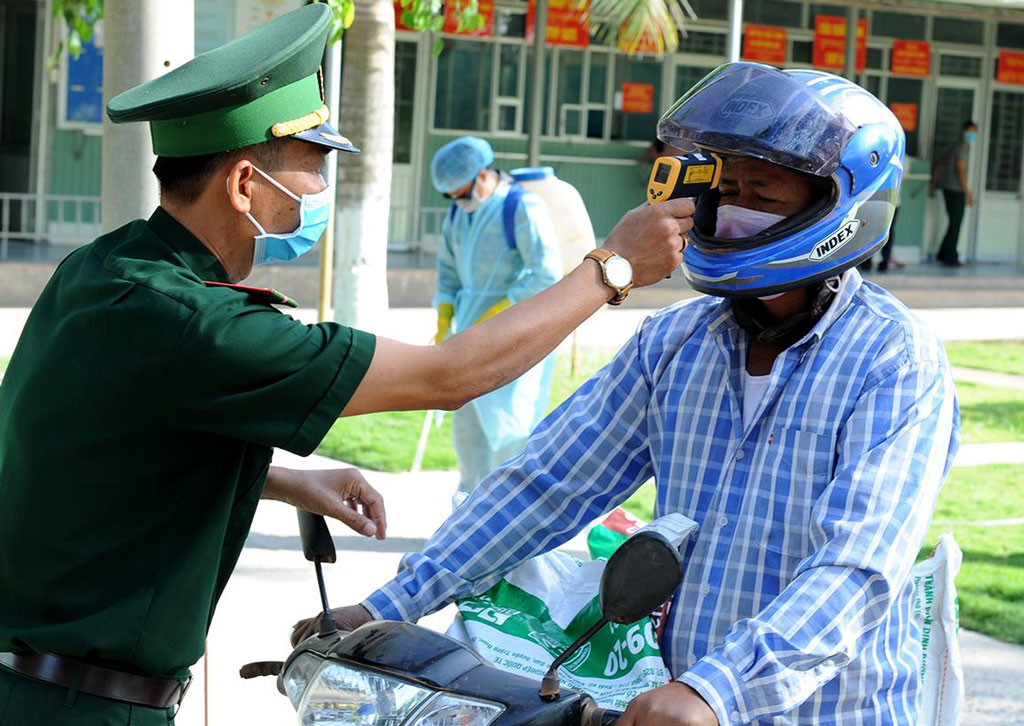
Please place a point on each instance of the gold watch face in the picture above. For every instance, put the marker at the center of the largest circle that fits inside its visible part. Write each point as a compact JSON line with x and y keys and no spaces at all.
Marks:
{"x":619,"y":272}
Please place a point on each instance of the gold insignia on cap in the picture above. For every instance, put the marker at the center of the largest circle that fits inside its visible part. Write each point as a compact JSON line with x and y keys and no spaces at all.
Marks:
{"x":303,"y":123}
{"x":336,"y":138}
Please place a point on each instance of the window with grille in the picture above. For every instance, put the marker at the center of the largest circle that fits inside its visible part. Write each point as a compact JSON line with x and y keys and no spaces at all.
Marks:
{"x":955,"y":107}
{"x":898,"y":25}
{"x":687,"y":77}
{"x":1007,"y":138}
{"x":780,"y":12}
{"x":696,"y":41}
{"x":636,"y":126}
{"x":958,"y":30}
{"x":965,"y":66}
{"x":463,"y":97}
{"x":405,"y":89}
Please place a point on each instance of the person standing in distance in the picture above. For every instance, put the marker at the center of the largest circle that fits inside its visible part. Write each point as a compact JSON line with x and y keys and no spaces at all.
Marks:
{"x":950,"y":176}
{"x":140,"y":409}
{"x":498,"y":247}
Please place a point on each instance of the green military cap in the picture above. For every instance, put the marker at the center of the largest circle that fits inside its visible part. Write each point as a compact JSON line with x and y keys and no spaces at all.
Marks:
{"x":261,"y":86}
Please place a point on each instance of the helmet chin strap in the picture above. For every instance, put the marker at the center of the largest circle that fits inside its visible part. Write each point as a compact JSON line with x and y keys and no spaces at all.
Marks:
{"x":752,"y":315}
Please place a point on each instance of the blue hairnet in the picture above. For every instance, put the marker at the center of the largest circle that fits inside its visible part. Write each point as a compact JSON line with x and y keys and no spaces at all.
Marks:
{"x":457,"y":162}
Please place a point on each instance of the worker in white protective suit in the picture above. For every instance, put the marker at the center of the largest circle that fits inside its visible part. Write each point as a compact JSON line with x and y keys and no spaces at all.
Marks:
{"x":498,"y":247}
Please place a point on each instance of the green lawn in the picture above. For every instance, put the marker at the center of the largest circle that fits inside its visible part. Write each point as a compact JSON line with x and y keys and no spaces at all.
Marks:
{"x":989,"y":414}
{"x":1000,"y":356}
{"x":991,"y":581}
{"x":387,"y":441}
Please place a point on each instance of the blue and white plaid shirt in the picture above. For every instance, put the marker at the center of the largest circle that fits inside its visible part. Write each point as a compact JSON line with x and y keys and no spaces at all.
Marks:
{"x":796,"y":603}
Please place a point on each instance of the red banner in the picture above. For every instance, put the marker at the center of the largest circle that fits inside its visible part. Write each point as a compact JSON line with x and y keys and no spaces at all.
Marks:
{"x":567,"y":22}
{"x":1010,"y":68}
{"x":906,"y":114}
{"x":911,"y":57}
{"x":764,"y":44}
{"x":399,"y":25}
{"x":637,"y":98}
{"x":452,"y":10}
{"x":830,"y":42}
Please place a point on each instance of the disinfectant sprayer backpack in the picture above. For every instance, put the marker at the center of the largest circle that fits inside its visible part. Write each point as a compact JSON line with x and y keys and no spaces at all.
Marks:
{"x":568,"y":213}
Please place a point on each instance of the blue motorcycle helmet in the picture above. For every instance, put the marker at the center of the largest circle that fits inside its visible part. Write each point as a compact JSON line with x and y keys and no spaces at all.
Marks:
{"x":848,"y":143}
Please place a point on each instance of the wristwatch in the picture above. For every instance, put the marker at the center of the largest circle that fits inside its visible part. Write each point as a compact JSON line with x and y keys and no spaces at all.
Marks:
{"x":616,"y":271}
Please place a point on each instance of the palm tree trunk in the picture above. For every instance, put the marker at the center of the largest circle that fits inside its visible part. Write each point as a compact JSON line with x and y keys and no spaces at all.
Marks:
{"x":364,"y":180}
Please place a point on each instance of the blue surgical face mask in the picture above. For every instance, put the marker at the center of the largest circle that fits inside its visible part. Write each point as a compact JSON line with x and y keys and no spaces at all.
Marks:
{"x":314,"y":215}
{"x":971,"y":136}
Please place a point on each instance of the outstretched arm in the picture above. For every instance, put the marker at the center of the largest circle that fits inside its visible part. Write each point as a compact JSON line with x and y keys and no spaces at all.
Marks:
{"x":489,"y":355}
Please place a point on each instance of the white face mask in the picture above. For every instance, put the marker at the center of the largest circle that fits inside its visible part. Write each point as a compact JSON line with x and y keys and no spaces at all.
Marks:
{"x":739,"y":222}
{"x":470,"y":203}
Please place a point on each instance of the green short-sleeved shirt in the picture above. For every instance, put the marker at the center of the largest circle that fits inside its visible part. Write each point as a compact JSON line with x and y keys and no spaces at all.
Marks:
{"x":137,"y":417}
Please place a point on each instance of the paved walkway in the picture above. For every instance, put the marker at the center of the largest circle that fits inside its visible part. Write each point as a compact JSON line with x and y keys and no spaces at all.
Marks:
{"x":988,"y":378}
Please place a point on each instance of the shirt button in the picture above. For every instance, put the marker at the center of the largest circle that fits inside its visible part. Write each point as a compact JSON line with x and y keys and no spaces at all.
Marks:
{"x":723,"y":520}
{"x":735,"y":716}
{"x":705,"y":589}
{"x":690,"y":660}
{"x":739,"y":455}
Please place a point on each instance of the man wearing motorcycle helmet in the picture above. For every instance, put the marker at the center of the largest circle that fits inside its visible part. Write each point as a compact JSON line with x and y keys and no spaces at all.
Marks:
{"x":804,"y":418}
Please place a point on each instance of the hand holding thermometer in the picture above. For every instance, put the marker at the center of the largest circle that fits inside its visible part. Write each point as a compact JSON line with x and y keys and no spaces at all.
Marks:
{"x":683,"y":176}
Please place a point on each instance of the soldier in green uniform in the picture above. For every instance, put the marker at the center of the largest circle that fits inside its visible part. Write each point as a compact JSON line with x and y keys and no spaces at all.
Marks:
{"x":142,"y":404}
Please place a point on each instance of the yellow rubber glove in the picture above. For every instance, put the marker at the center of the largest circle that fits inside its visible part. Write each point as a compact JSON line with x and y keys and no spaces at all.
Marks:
{"x":501,"y":305}
{"x":445,"y":311}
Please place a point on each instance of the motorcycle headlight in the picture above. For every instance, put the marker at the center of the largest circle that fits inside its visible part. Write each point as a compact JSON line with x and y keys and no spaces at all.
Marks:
{"x":451,"y":710}
{"x":298,"y":674}
{"x":339,"y":694}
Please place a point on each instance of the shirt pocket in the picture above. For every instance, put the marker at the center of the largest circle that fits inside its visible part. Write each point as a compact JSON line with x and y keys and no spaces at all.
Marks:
{"x":795,"y":469}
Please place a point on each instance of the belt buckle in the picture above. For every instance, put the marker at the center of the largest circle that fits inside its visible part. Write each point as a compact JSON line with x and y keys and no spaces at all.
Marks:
{"x":181,"y":693}
{"x":184,"y":689}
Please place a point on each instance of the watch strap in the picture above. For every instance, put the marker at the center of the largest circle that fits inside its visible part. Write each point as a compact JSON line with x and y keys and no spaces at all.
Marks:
{"x":601,"y":256}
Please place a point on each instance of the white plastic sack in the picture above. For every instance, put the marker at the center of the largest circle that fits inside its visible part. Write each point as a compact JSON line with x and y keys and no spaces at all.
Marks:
{"x":935,"y":611}
{"x":536,"y":611}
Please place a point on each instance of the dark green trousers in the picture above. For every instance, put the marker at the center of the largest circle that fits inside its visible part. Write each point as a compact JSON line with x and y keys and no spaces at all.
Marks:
{"x":28,"y":702}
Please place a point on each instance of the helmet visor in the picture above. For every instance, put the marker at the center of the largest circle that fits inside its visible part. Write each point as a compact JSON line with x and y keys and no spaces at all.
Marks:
{"x":755,"y":110}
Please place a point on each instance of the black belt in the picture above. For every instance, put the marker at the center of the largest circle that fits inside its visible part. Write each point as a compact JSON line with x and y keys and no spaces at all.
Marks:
{"x":97,"y":680}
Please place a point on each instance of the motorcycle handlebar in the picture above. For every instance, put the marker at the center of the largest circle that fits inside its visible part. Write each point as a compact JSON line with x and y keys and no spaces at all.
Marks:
{"x":595,"y":716}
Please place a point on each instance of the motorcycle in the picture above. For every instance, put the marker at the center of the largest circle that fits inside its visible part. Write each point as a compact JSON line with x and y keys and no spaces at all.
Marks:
{"x":398,"y":674}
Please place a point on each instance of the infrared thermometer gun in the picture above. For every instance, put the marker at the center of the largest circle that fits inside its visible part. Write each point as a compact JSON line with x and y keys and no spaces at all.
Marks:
{"x":683,"y":176}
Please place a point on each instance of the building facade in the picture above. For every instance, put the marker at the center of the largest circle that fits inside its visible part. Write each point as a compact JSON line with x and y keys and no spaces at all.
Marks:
{"x":936,"y":65}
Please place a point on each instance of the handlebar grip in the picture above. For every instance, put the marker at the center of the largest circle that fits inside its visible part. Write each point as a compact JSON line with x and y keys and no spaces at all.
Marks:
{"x":610,"y":717}
{"x":602,"y":717}
{"x":261,"y":668}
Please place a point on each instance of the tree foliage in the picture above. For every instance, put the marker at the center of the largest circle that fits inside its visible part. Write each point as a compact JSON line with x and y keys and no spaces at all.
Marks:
{"x":634,"y":24}
{"x":80,"y":17}
{"x":422,"y":15}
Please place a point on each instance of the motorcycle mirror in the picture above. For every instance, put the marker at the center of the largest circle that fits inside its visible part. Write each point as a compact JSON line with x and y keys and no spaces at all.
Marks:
{"x":318,"y":547}
{"x":316,"y":538}
{"x":640,"y":575}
